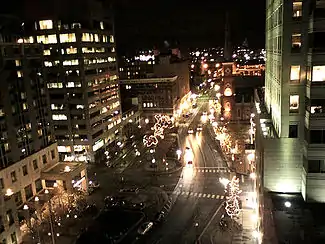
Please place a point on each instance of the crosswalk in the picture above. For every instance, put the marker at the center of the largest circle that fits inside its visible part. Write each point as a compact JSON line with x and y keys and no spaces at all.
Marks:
{"x":212,"y":170}
{"x":199,"y":195}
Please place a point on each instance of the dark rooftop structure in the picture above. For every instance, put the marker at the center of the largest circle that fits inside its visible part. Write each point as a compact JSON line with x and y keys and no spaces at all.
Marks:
{"x":296,"y":221}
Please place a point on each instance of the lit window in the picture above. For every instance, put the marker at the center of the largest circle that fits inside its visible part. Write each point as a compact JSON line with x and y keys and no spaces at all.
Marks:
{"x":296,"y":41}
{"x":46,"y":52}
{"x":294,"y":102}
{"x":40,"y":132}
{"x":50,"y":39}
{"x":113,"y":49}
{"x":57,"y":106}
{"x":111,"y":39}
{"x":111,"y":59}
{"x":55,"y":85}
{"x":73,"y":84}
{"x":297,"y":9}
{"x":318,"y":73}
{"x":144,"y":105}
{"x":70,"y":37}
{"x":87,"y":37}
{"x":25,"y":106}
{"x":71,"y":62}
{"x":104,"y":38}
{"x":18,"y":63}
{"x":59,"y":117}
{"x":96,"y":38}
{"x":71,"y":50}
{"x":101,"y":25}
{"x":46,"y":24}
{"x":295,"y":72}
{"x":48,"y":64}
{"x":88,"y":50}
{"x":19,"y":73}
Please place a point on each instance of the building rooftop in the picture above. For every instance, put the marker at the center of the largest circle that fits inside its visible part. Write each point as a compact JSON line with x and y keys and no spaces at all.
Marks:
{"x":297,"y":221}
{"x":61,"y":170}
{"x":153,"y":79}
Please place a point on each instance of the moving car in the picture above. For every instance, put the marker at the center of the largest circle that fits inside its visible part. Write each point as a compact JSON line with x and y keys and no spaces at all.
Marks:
{"x":188,"y":157}
{"x":145,"y":227}
{"x":190,"y":130}
{"x":199,"y":128}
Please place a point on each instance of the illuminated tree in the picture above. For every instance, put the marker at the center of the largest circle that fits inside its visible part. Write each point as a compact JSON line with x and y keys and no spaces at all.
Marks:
{"x":232,"y":198}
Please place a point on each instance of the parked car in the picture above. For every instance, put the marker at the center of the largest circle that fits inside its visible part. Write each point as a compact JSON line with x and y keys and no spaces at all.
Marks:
{"x":145,"y":227}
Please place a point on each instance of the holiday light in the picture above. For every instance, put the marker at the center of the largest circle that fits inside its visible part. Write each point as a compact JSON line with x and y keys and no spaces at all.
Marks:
{"x":162,"y":122}
{"x":232,"y":199}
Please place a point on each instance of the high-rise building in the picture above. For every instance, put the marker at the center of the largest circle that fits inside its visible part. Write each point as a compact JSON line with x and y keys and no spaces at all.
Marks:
{"x":79,"y":54}
{"x":27,"y":143}
{"x":294,"y":158}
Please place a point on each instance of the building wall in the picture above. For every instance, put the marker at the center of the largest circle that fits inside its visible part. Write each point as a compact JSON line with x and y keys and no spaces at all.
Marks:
{"x":282,"y":168}
{"x":15,"y":178}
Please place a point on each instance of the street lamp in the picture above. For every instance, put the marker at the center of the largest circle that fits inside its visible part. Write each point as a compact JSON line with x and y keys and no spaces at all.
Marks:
{"x":146,"y":121}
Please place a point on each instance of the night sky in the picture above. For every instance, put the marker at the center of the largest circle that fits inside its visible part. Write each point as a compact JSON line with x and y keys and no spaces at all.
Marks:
{"x":144,"y":23}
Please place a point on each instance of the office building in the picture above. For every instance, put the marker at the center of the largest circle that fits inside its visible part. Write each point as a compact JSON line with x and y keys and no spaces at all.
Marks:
{"x":137,"y":66}
{"x":164,"y":92}
{"x":292,"y":124}
{"x":80,"y":60}
{"x":27,"y":142}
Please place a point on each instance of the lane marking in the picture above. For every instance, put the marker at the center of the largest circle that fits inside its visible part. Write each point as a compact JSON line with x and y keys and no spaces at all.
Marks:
{"x":200,"y":194}
{"x":204,"y":195}
{"x":195,"y":194}
{"x":221,"y":197}
{"x":208,"y":196}
{"x":217,"y":196}
{"x":213,"y":196}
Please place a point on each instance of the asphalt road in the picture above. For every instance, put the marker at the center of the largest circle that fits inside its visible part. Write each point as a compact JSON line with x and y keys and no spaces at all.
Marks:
{"x":198,"y":194}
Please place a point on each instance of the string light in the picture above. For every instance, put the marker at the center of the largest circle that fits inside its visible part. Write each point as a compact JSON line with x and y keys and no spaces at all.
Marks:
{"x":162,"y":122}
{"x":232,"y":199}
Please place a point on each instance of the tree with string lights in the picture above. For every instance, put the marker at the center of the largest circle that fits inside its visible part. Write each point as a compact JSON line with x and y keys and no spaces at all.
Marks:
{"x":232,"y":198}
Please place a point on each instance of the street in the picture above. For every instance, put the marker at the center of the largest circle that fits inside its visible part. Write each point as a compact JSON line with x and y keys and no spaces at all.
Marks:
{"x":198,"y":194}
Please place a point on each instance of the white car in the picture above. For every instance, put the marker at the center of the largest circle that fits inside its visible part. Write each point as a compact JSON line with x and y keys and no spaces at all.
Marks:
{"x":199,"y":128}
{"x":190,"y":131}
{"x":145,"y":227}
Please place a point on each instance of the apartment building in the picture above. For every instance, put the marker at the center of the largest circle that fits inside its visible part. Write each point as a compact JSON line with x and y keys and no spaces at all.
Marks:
{"x":27,"y":142}
{"x":79,"y":55}
{"x":294,"y":158}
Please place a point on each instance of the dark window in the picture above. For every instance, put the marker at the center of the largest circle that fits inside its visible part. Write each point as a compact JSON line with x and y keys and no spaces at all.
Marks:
{"x":25,"y":170}
{"x":2,"y":226}
{"x":313,"y":166}
{"x":317,"y":137}
{"x":18,"y":199}
{"x":293,"y":131}
{"x":38,"y":185}
{"x":2,"y":185}
{"x":35,"y":164}
{"x":52,"y":154}
{"x":44,"y":159}
{"x":13,"y":176}
{"x":28,"y":191}
{"x":10,"y":217}
{"x":14,"y":238}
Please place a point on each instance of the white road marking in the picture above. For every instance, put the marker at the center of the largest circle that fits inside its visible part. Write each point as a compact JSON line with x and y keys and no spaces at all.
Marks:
{"x":200,"y":195}
{"x":221,"y":197}
{"x":209,"y":195}
{"x":195,"y":194}
{"x":204,"y":195}
{"x":213,"y":196}
{"x":217,"y":196}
